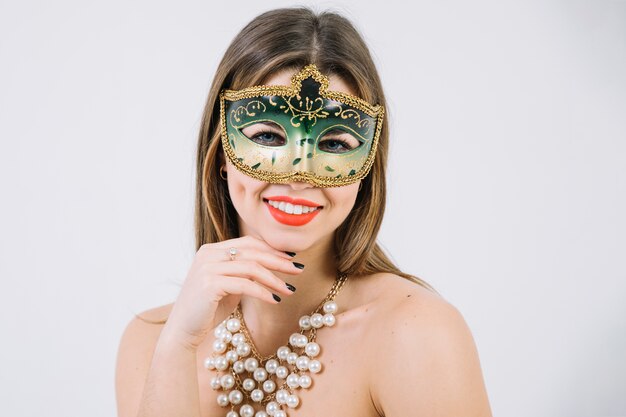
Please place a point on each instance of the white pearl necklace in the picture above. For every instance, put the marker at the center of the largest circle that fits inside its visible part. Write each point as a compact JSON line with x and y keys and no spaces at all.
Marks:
{"x":248,"y":378}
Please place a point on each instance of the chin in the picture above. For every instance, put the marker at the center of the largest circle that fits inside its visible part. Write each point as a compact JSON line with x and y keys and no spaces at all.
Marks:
{"x":295,"y":240}
{"x":292,"y":243}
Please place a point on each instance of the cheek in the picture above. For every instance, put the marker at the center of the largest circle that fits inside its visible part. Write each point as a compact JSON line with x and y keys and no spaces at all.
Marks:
{"x":244,"y":190}
{"x":237,"y":189}
{"x":343,"y":198}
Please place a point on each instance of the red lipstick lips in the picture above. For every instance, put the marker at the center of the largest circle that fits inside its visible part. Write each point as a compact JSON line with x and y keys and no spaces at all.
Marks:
{"x":292,"y":219}
{"x":294,"y":201}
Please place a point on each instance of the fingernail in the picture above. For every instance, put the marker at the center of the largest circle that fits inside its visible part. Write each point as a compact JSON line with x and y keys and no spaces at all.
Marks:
{"x":277,"y":298}
{"x":298,"y":265}
{"x":292,"y":254}
{"x":291,"y":287}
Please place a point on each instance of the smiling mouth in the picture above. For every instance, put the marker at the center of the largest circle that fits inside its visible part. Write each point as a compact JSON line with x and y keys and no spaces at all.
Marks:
{"x":290,"y":208}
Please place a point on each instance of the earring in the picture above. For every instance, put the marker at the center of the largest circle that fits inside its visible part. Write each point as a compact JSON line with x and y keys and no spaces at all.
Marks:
{"x":360,"y":186}
{"x":224,"y":176}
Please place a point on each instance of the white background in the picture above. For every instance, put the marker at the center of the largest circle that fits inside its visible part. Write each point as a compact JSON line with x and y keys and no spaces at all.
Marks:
{"x":507,"y":183}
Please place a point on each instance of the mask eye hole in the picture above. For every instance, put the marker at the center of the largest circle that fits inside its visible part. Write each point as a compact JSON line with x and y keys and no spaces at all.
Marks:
{"x":265,"y":133}
{"x":338,"y":141}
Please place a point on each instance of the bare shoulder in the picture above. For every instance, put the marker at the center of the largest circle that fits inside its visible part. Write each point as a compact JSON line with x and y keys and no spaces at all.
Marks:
{"x":395,"y":294}
{"x":155,"y":315}
{"x":418,"y":318}
{"x":144,"y":328}
{"x":406,"y":309}
{"x":134,"y":356}
{"x":428,"y":358}
{"x":142,"y":332}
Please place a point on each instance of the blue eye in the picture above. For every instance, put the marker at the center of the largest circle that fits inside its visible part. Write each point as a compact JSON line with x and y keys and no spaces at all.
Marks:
{"x":338,"y":141}
{"x":268,"y":138}
{"x":334,"y":146}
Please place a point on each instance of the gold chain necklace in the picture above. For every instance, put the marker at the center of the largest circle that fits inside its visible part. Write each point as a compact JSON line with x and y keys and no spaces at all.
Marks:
{"x":248,"y":378}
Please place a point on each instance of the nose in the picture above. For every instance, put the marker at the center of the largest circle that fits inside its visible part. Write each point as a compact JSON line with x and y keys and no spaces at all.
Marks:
{"x":299,"y":185}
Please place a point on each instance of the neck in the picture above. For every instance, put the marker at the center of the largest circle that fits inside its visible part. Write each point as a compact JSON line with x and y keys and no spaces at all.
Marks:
{"x":312,"y":285}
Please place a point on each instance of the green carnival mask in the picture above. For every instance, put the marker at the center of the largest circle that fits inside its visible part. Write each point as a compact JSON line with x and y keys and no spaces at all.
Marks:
{"x":309,"y":121}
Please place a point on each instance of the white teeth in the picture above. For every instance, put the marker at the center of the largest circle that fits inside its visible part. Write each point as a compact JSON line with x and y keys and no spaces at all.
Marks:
{"x":291,"y":208}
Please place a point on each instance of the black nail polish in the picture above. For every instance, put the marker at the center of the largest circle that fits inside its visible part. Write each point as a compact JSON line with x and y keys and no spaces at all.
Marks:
{"x":292,"y":254}
{"x":298,"y":265}
{"x":277,"y":298}
{"x":291,"y":287}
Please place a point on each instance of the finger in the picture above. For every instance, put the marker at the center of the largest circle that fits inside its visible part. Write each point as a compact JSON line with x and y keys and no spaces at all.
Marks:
{"x":268,"y":260}
{"x":254,"y":271}
{"x":254,"y":242}
{"x":240,"y":286}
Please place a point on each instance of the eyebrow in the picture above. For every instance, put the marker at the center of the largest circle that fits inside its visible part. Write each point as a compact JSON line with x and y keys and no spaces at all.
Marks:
{"x":278,"y":128}
{"x":339,"y":131}
{"x":269,"y":124}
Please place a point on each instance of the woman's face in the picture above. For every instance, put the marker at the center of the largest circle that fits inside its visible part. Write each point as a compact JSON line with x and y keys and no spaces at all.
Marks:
{"x":254,"y":200}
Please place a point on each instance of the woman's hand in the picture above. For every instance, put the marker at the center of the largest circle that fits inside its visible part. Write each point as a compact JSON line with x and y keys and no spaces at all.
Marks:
{"x":215,"y":281}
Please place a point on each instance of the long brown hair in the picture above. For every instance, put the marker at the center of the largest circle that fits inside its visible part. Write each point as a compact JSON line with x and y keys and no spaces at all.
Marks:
{"x":289,"y":39}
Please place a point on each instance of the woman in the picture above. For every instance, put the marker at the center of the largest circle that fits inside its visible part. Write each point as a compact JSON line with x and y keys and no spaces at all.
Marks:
{"x":290,"y":307}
